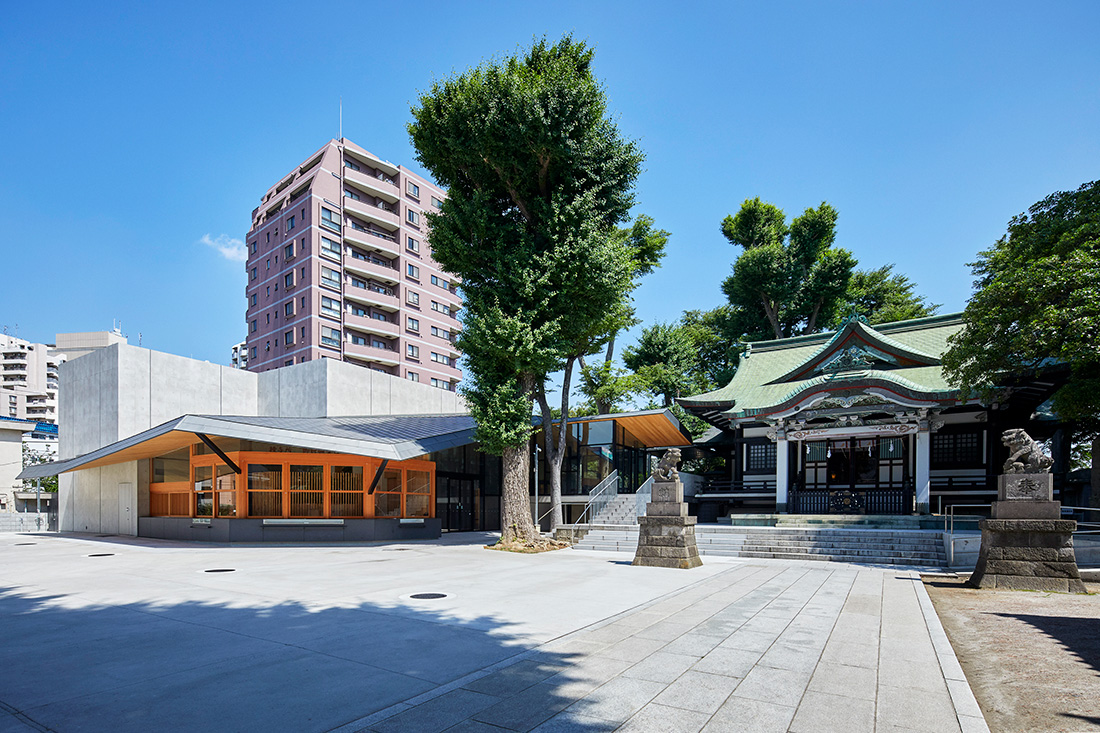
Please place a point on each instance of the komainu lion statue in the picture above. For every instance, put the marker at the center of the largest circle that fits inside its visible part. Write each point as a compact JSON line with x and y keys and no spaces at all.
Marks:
{"x":1025,"y":455}
{"x":666,"y":469}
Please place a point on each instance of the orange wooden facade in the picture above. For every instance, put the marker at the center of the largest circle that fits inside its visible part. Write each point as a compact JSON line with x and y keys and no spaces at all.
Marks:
{"x":297,"y":485}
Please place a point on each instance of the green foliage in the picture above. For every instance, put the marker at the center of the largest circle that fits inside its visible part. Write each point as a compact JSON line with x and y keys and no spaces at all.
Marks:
{"x":1037,"y":304}
{"x":718,"y":339}
{"x":663,"y":360}
{"x":32,"y":457}
{"x":883,"y":296}
{"x":789,"y":279}
{"x":538,"y":180}
{"x":606,"y":388}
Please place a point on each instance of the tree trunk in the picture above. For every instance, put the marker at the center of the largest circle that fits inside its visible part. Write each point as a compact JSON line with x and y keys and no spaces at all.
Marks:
{"x":772,"y":312}
{"x":1094,"y":475}
{"x":556,"y":443}
{"x":515,"y":519}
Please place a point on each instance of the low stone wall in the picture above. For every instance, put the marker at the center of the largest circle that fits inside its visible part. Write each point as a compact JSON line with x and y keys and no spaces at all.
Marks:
{"x":24,"y":522}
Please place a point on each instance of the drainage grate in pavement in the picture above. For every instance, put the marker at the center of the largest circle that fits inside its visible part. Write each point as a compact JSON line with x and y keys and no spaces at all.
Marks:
{"x":102,"y":554}
{"x":427,"y":596}
{"x":221,"y":570}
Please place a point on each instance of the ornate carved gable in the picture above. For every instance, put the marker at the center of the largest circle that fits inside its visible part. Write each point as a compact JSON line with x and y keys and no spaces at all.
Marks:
{"x":857,"y":347}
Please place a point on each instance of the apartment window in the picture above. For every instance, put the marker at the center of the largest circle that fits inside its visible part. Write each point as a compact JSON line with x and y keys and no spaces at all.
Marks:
{"x":348,"y":193}
{"x":359,"y":310}
{"x":267,"y":345}
{"x":288,"y":309}
{"x":412,"y":189}
{"x":252,"y":300}
{"x":252,"y":275}
{"x":441,"y":359}
{"x":410,"y":323}
{"x":330,"y":307}
{"x":288,"y":251}
{"x":441,"y":333}
{"x":357,"y":282}
{"x":288,"y":280}
{"x":269,"y":291}
{"x":288,"y":362}
{"x":412,"y":217}
{"x":303,"y":301}
{"x":330,"y":336}
{"x":330,"y":247}
{"x":252,"y":248}
{"x":330,"y":277}
{"x":303,"y":334}
{"x":303,"y":214}
{"x":269,"y":237}
{"x":289,"y":223}
{"x":441,"y":308}
{"x":413,"y":351}
{"x":412,"y":271}
{"x":380,"y":317}
{"x":412,"y":376}
{"x":358,"y":340}
{"x":437,"y":203}
{"x":268,"y":318}
{"x":442,"y":384}
{"x":378,"y":344}
{"x":412,"y":297}
{"x":329,"y":220}
{"x":353,"y":166}
{"x":412,"y":245}
{"x":252,"y":353}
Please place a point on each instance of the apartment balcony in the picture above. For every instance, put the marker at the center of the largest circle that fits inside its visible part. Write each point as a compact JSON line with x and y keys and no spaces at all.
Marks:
{"x":372,"y":239}
{"x":385,"y":167}
{"x":388,"y":357}
{"x":382,"y":188}
{"x":375,"y":267}
{"x":373,"y":214}
{"x":13,"y":357}
{"x":366,"y":324}
{"x":385,"y":301}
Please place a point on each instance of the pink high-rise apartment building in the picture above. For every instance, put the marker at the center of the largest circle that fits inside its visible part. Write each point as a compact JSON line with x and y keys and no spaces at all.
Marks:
{"x":339,"y":267}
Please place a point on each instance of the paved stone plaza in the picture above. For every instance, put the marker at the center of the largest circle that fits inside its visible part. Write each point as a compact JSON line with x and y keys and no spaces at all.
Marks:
{"x":327,"y":638}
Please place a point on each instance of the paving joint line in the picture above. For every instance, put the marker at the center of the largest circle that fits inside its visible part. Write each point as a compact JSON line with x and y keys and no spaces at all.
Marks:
{"x":361,"y":724}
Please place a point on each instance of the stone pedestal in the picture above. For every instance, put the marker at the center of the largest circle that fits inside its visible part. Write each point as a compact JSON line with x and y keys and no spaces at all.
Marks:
{"x":1027,"y":545}
{"x":666,"y":537}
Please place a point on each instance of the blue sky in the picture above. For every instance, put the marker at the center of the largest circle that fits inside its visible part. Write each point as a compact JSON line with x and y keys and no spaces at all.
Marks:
{"x":134,"y":135}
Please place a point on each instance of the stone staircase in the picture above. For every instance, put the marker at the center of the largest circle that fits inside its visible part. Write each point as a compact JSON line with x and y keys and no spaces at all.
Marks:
{"x":620,"y":510}
{"x":857,"y":545}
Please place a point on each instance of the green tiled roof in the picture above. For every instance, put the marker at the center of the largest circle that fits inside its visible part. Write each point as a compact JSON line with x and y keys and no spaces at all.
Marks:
{"x":757,"y":386}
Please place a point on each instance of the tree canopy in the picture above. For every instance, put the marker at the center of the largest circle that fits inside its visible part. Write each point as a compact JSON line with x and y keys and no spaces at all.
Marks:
{"x":663,"y":359}
{"x":790,"y":280}
{"x":882,"y":296}
{"x":538,"y":180}
{"x":1037,"y":304}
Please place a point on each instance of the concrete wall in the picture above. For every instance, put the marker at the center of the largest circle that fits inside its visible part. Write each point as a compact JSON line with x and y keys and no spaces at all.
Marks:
{"x":123,"y":390}
{"x":331,"y":388}
{"x":11,"y":460}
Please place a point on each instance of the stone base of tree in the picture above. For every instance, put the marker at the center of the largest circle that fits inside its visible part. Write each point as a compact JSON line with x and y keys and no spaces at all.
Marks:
{"x":666,"y":535}
{"x":1028,"y":554}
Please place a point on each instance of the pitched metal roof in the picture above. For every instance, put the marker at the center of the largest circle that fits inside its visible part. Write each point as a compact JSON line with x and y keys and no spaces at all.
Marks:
{"x":767,"y":379}
{"x":395,"y":437}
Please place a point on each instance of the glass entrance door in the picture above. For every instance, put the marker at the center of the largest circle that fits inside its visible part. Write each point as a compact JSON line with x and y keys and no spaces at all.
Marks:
{"x":457,"y":503}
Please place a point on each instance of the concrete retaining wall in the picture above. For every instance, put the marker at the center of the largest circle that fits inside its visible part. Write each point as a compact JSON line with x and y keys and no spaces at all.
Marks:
{"x":24,"y":522}
{"x":254,"y":530}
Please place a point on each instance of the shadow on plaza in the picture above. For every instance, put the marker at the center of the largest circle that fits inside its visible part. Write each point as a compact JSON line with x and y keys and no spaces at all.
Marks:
{"x":1077,"y":635}
{"x":69,"y":664}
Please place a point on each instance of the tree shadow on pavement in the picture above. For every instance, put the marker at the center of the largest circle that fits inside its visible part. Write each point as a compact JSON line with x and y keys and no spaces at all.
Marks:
{"x":71,"y":664}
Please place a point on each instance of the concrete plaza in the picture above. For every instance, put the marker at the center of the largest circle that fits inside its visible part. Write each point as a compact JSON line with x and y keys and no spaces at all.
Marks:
{"x":106,"y":634}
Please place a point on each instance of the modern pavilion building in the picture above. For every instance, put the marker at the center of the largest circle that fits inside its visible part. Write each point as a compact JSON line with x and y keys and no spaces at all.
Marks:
{"x":157,"y":445}
{"x":339,"y":267}
{"x":862,"y":421}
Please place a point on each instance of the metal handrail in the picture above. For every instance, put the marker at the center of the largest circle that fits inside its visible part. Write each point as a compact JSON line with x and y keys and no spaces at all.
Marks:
{"x":949,"y":521}
{"x":643,"y":496}
{"x":597,"y":493}
{"x":1087,"y":524}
